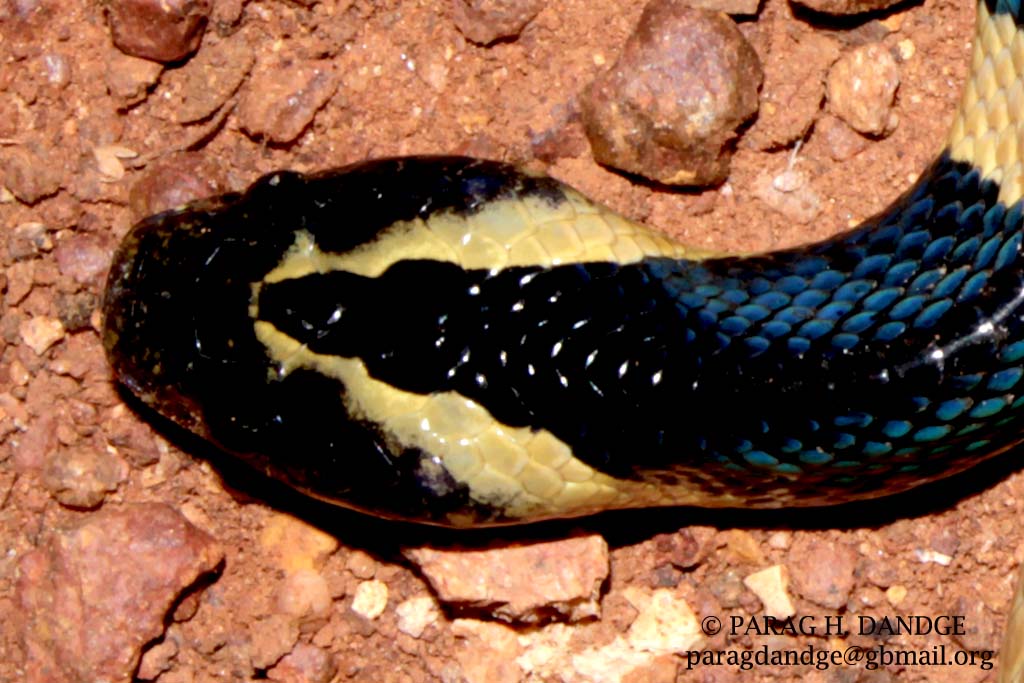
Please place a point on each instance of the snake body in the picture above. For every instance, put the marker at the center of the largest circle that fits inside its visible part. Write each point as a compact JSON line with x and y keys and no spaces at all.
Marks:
{"x":454,"y":341}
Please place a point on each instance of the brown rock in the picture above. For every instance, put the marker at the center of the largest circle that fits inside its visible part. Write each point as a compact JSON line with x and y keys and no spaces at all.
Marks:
{"x":27,"y":240}
{"x":271,"y":639}
{"x":75,"y":310}
{"x":40,"y":333}
{"x":843,"y":143}
{"x":83,"y":258}
{"x":670,"y":107}
{"x":280,"y":100}
{"x":130,"y":78}
{"x":157,"y":659}
{"x":82,"y":476}
{"x":525,"y":583}
{"x":687,"y":548}
{"x":794,"y":87}
{"x":29,"y":175}
{"x":304,"y":594}
{"x":200,"y":87}
{"x":304,"y":664}
{"x":862,"y":88}
{"x":790,"y":193}
{"x":846,"y":6}
{"x":485,"y":21}
{"x":292,"y":544}
{"x":94,"y":595}
{"x":821,"y":570}
{"x":160,"y":30}
{"x":174,"y":181}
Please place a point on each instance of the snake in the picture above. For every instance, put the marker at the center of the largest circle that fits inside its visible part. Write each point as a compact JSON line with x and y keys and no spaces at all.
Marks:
{"x":459,"y":342}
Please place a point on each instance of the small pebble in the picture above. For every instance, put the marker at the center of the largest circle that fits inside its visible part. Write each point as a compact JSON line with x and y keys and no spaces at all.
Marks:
{"x":271,"y":639}
{"x":485,"y":21}
{"x":81,"y":477}
{"x":40,"y":333}
{"x":174,"y":181}
{"x":361,"y":564}
{"x":304,"y":664}
{"x":304,"y":593}
{"x":665,"y":623}
{"x":280,"y":100}
{"x":416,"y":614}
{"x":370,"y":599}
{"x":30,"y":175}
{"x":862,"y":89}
{"x":130,"y":78}
{"x":896,"y":594}
{"x":826,"y":583}
{"x":160,"y":30}
{"x":769,"y":585}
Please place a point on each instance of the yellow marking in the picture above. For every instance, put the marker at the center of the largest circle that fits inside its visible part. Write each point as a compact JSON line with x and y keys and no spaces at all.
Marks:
{"x":988,"y":131}
{"x":527,"y":474}
{"x":526,"y":231}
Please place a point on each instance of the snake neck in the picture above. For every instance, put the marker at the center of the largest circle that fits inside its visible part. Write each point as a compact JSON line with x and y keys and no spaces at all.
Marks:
{"x":988,"y":130}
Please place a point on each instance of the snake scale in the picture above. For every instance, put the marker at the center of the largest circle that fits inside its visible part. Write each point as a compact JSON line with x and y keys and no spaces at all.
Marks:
{"x":454,"y":341}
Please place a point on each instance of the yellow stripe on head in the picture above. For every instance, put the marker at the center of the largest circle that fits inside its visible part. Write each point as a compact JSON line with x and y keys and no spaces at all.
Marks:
{"x":504,"y":233}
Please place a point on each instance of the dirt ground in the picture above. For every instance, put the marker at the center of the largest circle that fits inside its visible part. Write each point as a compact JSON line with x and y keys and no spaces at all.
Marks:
{"x":410,"y":83}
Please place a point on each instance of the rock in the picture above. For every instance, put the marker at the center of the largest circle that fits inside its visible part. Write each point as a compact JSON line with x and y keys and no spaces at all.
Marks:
{"x":826,"y":583}
{"x":75,"y":310}
{"x":361,"y":564}
{"x":81,"y":476}
{"x":304,"y":594}
{"x":370,"y":599}
{"x":686,"y":548}
{"x":81,"y":623}
{"x":271,"y":638}
{"x":507,"y":583}
{"x":664,"y":624}
{"x":794,"y":88}
{"x":202,"y":85}
{"x":174,"y":181}
{"x":40,"y":333}
{"x":416,"y":614}
{"x":485,"y":21}
{"x":280,"y":99}
{"x":489,"y":653}
{"x":769,"y":585}
{"x":83,"y":258}
{"x":846,"y":6}
{"x":842,"y":142}
{"x":27,"y":240}
{"x":304,"y":664}
{"x":20,"y":280}
{"x":157,"y":659}
{"x":862,"y":89}
{"x":130,"y":78}
{"x":896,"y":594}
{"x":979,"y":625}
{"x":670,"y":106}
{"x":160,"y":30}
{"x":293,"y":544}
{"x":30,"y":175}
{"x":789,"y":193}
